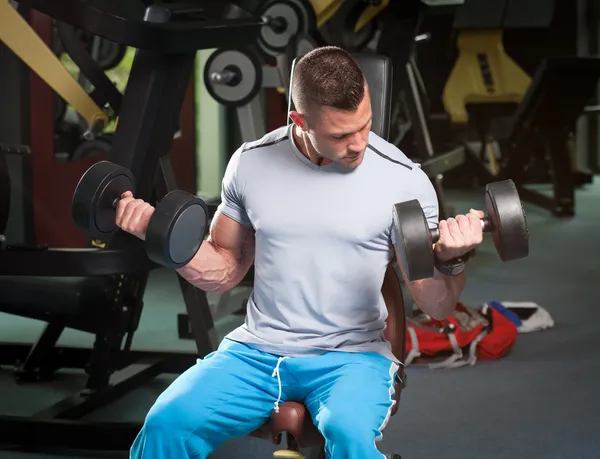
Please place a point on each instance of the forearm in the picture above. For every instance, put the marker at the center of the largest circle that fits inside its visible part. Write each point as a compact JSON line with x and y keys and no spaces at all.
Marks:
{"x":438,"y":295}
{"x":213,"y":269}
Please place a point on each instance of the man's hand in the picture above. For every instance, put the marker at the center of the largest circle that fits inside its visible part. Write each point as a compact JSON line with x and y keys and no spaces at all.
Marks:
{"x":133,"y":215}
{"x":459,"y":235}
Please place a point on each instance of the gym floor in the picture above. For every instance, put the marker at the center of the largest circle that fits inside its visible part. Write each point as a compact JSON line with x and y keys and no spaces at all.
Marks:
{"x":538,"y":402}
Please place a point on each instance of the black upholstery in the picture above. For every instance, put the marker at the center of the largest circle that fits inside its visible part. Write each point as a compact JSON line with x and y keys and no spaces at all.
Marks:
{"x":378,"y":72}
{"x":43,"y":297}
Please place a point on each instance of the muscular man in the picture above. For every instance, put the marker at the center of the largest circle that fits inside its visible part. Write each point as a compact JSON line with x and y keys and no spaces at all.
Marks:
{"x":311,"y":205}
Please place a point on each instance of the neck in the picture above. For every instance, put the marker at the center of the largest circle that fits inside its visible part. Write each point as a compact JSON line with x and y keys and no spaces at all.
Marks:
{"x":303,"y":143}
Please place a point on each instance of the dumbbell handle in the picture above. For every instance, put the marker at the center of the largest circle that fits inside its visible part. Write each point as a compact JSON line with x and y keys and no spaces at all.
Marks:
{"x":486,"y":225}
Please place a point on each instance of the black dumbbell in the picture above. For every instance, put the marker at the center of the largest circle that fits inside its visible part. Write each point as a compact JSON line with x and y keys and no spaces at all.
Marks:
{"x":176,"y":228}
{"x":505,"y":221}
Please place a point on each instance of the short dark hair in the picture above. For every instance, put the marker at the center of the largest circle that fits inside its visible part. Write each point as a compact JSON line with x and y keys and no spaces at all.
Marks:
{"x":327,"y":76}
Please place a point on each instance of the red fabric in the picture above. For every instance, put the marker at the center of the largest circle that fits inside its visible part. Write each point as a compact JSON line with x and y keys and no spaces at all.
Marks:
{"x":466,"y":325}
{"x":500,"y":339}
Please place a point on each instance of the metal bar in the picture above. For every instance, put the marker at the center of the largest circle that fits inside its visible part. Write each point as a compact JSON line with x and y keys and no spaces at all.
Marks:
{"x":121,"y":382}
{"x":156,"y":88}
{"x":251,"y":120}
{"x":76,"y":357}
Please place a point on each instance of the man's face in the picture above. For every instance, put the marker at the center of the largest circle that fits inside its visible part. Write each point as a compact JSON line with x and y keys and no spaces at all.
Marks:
{"x":338,"y":135}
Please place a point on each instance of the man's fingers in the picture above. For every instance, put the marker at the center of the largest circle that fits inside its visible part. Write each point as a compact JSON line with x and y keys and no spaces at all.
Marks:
{"x":479,"y":213}
{"x":454,"y":228}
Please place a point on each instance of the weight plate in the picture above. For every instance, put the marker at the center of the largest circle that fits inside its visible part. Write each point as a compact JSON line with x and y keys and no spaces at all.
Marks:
{"x":299,"y":17}
{"x":274,"y":41}
{"x":176,"y":229}
{"x":90,"y":148}
{"x":508,"y":221}
{"x":244,"y":87}
{"x":92,"y":206}
{"x":414,"y":247}
{"x":110,"y":54}
{"x":304,"y":44}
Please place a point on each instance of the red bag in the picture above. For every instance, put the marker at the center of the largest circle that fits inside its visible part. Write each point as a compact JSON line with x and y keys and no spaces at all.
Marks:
{"x":462,"y":338}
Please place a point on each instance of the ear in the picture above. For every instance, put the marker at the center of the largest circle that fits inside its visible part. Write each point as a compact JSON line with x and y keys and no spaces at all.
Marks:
{"x":298,"y":120}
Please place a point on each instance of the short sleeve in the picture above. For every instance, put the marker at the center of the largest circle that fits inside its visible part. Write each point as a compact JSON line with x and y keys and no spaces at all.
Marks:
{"x":232,"y":199}
{"x":423,"y":190}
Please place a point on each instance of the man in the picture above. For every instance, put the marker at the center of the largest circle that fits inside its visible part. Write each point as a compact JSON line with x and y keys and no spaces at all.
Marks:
{"x":311,"y":205}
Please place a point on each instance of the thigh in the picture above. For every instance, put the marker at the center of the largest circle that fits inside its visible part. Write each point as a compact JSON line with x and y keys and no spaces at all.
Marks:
{"x":225,"y":395}
{"x":353,"y":394}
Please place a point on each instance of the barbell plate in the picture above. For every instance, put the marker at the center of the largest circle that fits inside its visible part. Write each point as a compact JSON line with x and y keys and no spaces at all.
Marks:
{"x":508,"y":222}
{"x":299,"y":16}
{"x":94,"y":195}
{"x":304,"y":44}
{"x":274,"y":42}
{"x":243,"y":89}
{"x":176,"y":229}
{"x":414,"y":247}
{"x":91,"y":148}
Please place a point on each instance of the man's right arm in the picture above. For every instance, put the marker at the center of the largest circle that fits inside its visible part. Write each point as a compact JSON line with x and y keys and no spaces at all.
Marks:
{"x":224,"y":257}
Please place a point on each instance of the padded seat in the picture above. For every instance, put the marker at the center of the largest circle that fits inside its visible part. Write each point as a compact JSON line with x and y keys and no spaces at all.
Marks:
{"x":40,"y":297}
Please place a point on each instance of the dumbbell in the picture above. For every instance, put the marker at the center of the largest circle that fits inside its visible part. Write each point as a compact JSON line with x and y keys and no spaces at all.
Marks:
{"x":176,"y":228}
{"x":505,"y":221}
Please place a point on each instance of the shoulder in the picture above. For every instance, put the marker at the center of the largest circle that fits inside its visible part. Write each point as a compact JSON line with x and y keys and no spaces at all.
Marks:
{"x":261,"y":148}
{"x":387,"y":154}
{"x":389,"y":157}
{"x":270,"y":141}
{"x":393,"y":164}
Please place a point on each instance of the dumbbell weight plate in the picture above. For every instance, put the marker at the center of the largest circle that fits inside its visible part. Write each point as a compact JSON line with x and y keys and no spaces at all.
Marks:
{"x":244,"y":88}
{"x":414,"y":247}
{"x":176,"y":229}
{"x":303,"y":44}
{"x":507,"y":217}
{"x":299,"y":17}
{"x":92,"y":206}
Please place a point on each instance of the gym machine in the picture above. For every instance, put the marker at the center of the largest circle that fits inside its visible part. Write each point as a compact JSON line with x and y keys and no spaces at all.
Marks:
{"x":349,"y":24}
{"x":99,"y":289}
{"x":530,"y":119}
{"x":235,"y":77}
{"x":400,"y":37}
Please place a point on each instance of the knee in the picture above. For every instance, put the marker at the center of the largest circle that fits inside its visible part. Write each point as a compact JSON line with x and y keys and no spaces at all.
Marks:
{"x":344,"y":426}
{"x":172,"y":419}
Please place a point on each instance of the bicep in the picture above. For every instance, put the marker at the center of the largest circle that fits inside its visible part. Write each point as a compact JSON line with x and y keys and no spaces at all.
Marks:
{"x":235,"y":238}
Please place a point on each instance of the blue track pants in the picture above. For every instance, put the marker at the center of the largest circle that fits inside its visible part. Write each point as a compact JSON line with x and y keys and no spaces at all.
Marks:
{"x":233,"y":391}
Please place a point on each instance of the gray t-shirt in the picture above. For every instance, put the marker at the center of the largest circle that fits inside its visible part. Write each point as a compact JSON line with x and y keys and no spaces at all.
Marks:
{"x":323,"y":242}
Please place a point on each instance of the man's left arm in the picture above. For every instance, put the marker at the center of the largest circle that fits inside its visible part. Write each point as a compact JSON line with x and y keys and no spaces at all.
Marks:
{"x":437,"y":296}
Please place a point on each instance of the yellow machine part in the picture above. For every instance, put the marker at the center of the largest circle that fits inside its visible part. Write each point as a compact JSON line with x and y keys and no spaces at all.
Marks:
{"x":18,"y":35}
{"x":325,"y":9}
{"x":370,"y":13}
{"x":288,"y":454}
{"x":483,"y":73}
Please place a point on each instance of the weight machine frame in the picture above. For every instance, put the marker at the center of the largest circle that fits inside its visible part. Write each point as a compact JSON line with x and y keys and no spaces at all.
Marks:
{"x":157,"y":84}
{"x":542,"y":128}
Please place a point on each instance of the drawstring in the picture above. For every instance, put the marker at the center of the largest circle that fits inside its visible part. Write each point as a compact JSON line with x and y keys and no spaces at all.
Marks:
{"x":276,"y":373}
